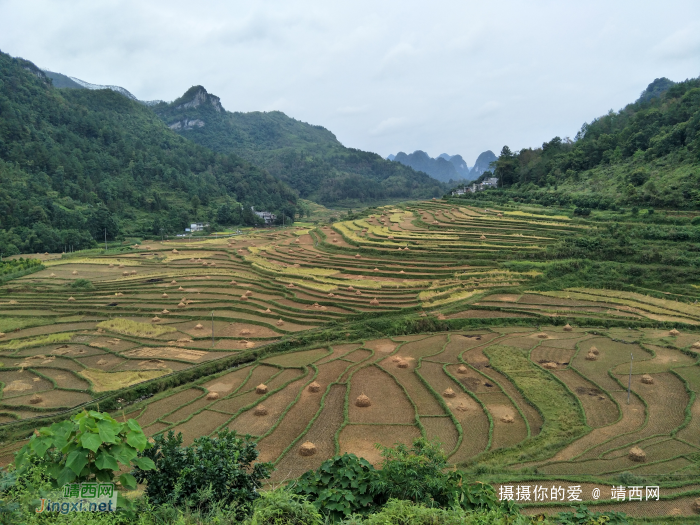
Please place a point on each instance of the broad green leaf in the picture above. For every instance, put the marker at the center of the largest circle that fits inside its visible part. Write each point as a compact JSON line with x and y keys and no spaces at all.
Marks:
{"x":96,"y":415}
{"x":77,"y":460}
{"x":137,"y":440}
{"x":66,"y":476}
{"x":91,"y":441}
{"x":123,"y":453}
{"x":134,"y":425}
{"x":105,"y":461}
{"x":104,"y":475}
{"x":144,"y":463}
{"x":40,"y":445}
{"x":54,"y":470}
{"x":108,"y":431}
{"x":128,"y":481}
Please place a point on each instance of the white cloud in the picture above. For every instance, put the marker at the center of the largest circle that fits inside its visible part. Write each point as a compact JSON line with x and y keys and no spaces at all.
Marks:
{"x":383,"y":76}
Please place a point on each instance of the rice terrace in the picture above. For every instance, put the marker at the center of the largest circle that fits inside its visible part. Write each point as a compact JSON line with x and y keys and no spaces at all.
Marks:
{"x":445,"y":319}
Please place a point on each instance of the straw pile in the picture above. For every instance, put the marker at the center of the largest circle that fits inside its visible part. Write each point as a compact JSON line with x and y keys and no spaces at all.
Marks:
{"x":280,"y":322}
{"x":198,"y":327}
{"x":173,"y":281}
{"x":156,"y":319}
{"x":358,"y":292}
{"x":244,"y":297}
{"x":314,"y":387}
{"x":374,"y":302}
{"x":696,"y":506}
{"x":261,"y":389}
{"x":637,"y":454}
{"x":268,"y":311}
{"x":363,"y":401}
{"x":165,"y":311}
{"x":248,"y":293}
{"x":260,"y":410}
{"x":549,"y":365}
{"x":402,"y":363}
{"x":647,"y":379}
{"x":358,"y":256}
{"x":307,"y":449}
{"x":35,"y":399}
{"x":180,"y":289}
{"x":674,"y":332}
{"x":593,"y":350}
{"x":482,"y":238}
{"x":181,"y":305}
{"x":508,"y":419}
{"x":350,"y":288}
{"x":75,"y":272}
{"x":52,"y":275}
{"x":71,"y":298}
{"x":449,"y":393}
{"x":590,"y":356}
{"x":567,"y":327}
{"x":462,"y":369}
{"x":211,"y":396}
{"x":164,"y":296}
{"x":541,"y":336}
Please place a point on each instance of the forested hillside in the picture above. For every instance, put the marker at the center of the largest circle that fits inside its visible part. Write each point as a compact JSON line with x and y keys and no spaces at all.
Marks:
{"x":308,"y":158}
{"x":74,"y":162}
{"x":647,"y":154}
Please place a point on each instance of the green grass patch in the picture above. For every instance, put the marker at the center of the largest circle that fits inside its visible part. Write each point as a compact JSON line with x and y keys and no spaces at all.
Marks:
{"x":17,"y":344}
{"x":107,"y":381}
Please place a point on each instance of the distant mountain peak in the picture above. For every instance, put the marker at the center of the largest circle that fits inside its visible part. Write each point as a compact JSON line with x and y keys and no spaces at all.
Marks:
{"x":196,"y":96}
{"x":444,"y":167}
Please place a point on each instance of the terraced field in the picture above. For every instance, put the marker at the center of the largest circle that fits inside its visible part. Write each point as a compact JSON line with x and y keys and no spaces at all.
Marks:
{"x":300,"y":335}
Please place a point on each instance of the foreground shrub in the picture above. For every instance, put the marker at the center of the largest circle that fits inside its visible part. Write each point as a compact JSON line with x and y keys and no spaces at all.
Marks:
{"x":402,"y":512}
{"x":340,"y":487}
{"x":281,"y":507}
{"x":88,"y":447}
{"x":210,"y":472}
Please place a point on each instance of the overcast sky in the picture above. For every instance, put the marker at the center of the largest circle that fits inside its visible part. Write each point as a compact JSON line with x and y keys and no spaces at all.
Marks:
{"x":384,"y":76}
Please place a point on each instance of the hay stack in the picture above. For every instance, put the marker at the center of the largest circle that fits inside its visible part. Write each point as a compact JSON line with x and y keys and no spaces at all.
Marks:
{"x":244,"y":297}
{"x":508,"y":419}
{"x":181,"y":305}
{"x":549,"y":365}
{"x":590,"y":356}
{"x":156,"y":319}
{"x":449,"y":393}
{"x":52,"y":275}
{"x":165,"y":311}
{"x":541,"y":336}
{"x":423,"y":314}
{"x":75,"y":272}
{"x":358,"y":256}
{"x":482,"y":238}
{"x":374,"y":302}
{"x":390,"y":237}
{"x":441,"y":316}
{"x":175,"y":251}
{"x":260,"y":410}
{"x":2,"y":334}
{"x":233,"y":283}
{"x":674,"y":332}
{"x":180,"y":289}
{"x":173,"y":281}
{"x":462,"y":369}
{"x":164,"y":296}
{"x":307,"y":449}
{"x":290,"y":285}
{"x":406,"y":248}
{"x":248,"y":293}
{"x":358,"y":292}
{"x":71,"y":298}
{"x":647,"y":379}
{"x":133,"y":272}
{"x":268,"y":311}
{"x":350,"y":288}
{"x":376,"y":270}
{"x":211,"y":396}
{"x":637,"y":454}
{"x":35,"y":399}
{"x":567,"y":327}
{"x":120,"y":266}
{"x":125,"y":273}
{"x":363,"y":401}
{"x":198,"y":327}
{"x":696,"y":506}
{"x":593,"y":350}
{"x":331,"y":294}
{"x":245,"y":331}
{"x":261,"y":389}
{"x":280,"y":322}
{"x":314,"y":387}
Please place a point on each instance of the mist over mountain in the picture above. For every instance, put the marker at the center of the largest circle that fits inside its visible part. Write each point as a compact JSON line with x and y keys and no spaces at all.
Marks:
{"x":445,"y":167}
{"x":62,"y":81}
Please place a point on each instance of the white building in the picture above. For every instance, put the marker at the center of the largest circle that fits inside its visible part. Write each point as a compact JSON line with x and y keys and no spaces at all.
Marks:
{"x":268,"y":217}
{"x":197,"y":226}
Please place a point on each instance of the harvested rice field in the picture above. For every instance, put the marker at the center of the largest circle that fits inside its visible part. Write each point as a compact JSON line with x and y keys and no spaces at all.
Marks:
{"x":366,"y":331}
